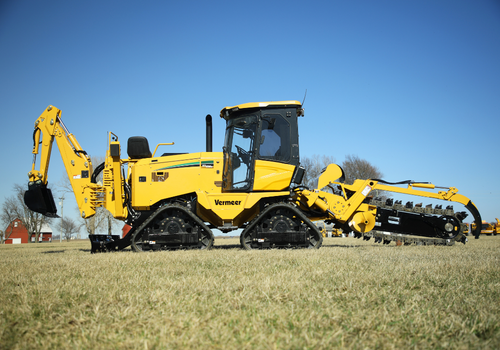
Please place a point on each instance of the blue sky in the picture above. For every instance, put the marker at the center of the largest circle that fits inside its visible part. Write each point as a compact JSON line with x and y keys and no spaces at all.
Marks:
{"x":411,"y":86}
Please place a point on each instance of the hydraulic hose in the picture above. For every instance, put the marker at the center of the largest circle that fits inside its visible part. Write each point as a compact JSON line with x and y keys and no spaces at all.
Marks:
{"x":97,"y":171}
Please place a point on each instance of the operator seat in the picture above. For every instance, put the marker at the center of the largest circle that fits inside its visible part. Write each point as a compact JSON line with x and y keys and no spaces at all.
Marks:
{"x":138,"y":147}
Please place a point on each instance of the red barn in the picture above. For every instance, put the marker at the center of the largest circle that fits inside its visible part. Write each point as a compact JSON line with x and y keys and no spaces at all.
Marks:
{"x":20,"y":233}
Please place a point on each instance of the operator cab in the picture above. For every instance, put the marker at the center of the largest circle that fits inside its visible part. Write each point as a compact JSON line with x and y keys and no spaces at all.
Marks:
{"x":261,"y":147}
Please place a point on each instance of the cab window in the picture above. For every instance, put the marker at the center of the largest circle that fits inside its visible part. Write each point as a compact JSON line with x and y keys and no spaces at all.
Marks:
{"x":275,"y":138}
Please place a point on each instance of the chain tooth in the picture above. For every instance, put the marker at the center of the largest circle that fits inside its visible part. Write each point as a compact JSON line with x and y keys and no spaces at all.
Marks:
{"x":428,"y":209}
{"x":449,"y":210}
{"x":409,"y":206}
{"x":438,"y":209}
{"x":418,"y":208}
{"x":398,"y":205}
{"x":465,"y":228}
{"x":378,"y":202}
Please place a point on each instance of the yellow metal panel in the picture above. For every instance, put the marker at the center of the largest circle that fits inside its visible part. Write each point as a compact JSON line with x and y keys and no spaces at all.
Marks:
{"x":272,"y":176}
{"x":332,"y":173}
{"x":227,"y":206}
{"x":171,"y":176}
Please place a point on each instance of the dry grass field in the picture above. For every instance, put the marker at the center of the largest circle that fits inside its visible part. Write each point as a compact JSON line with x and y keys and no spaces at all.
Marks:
{"x":348,"y":294}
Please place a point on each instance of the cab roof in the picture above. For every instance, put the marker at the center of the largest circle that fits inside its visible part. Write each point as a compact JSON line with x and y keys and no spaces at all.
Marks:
{"x":226,"y":111}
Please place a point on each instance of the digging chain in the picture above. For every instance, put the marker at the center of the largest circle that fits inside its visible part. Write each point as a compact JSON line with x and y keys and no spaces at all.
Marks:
{"x":407,"y":238}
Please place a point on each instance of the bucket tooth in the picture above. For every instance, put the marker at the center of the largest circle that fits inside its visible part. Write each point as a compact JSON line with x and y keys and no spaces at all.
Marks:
{"x":389,"y":202}
{"x":409,"y":205}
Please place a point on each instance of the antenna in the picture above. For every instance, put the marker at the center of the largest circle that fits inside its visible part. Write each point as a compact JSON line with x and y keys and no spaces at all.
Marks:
{"x":304,"y":100}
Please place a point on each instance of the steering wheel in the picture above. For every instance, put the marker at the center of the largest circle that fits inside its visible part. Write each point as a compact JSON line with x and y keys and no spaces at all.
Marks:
{"x":244,"y":155}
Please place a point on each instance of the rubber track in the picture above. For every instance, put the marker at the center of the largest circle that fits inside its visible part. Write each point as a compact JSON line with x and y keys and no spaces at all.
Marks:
{"x":297,"y":212}
{"x":166,"y":207}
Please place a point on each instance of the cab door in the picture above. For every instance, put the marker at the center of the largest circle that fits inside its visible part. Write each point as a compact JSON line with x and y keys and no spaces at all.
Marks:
{"x":239,"y":153}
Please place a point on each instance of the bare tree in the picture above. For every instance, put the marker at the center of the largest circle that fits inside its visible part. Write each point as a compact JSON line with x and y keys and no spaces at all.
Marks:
{"x":7,"y":216}
{"x":357,"y":168}
{"x":97,"y":222}
{"x":68,"y":228}
{"x":112,"y":222}
{"x":14,"y":208}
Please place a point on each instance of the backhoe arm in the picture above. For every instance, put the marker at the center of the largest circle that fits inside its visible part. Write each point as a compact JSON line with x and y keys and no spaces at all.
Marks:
{"x":48,"y":127}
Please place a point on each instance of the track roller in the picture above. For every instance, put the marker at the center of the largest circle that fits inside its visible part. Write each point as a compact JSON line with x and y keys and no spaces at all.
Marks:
{"x":172,"y":227}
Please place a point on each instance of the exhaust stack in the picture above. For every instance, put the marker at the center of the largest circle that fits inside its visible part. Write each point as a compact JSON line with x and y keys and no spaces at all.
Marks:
{"x":208,"y":120}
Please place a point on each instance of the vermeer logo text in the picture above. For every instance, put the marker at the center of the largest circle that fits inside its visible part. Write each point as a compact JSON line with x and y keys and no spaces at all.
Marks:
{"x":218,"y":202}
